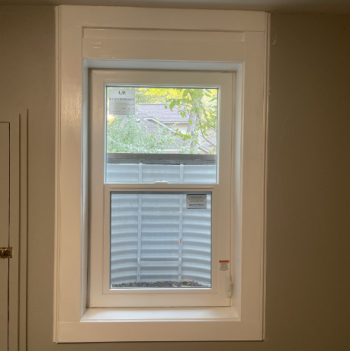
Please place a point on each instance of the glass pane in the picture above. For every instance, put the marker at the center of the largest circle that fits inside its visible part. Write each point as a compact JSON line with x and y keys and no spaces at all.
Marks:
{"x":160,"y":134}
{"x":160,"y":240}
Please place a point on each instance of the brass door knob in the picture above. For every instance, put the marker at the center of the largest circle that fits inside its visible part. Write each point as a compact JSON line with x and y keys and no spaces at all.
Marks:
{"x":5,"y":252}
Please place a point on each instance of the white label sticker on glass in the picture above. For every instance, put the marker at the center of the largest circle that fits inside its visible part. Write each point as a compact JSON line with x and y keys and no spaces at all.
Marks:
{"x":196,"y":201}
{"x":122,"y":101}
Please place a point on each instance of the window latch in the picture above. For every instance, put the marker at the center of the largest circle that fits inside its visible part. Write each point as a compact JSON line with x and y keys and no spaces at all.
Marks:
{"x":160,"y":182}
{"x":228,"y":285}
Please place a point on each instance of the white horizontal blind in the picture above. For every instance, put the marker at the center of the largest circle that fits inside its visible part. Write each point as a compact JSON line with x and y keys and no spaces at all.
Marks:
{"x":155,"y":238}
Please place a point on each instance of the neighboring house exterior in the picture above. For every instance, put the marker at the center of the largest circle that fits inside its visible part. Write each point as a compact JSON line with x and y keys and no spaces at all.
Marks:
{"x":152,"y":115}
{"x":157,"y":113}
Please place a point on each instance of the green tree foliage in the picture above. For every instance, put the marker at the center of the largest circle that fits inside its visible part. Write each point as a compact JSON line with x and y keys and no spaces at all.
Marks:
{"x":200,"y":107}
{"x":127,"y":135}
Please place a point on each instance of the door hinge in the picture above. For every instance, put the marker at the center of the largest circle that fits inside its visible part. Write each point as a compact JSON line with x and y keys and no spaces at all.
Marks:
{"x":5,"y":252}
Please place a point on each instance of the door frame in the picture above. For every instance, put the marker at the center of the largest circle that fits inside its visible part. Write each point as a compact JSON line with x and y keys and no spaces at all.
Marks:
{"x":18,"y":231}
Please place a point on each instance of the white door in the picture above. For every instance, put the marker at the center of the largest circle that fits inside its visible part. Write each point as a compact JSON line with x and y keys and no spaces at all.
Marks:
{"x":4,"y":230}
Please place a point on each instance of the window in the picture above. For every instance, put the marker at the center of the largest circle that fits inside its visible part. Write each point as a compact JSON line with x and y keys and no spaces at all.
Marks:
{"x":128,"y":49}
{"x":149,"y":248}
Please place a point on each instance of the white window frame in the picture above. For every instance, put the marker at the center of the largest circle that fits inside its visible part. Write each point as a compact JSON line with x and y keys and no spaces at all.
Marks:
{"x":125,"y":38}
{"x":100,"y":295}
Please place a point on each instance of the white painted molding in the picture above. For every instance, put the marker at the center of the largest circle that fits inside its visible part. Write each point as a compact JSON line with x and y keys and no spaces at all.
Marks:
{"x":239,"y":40}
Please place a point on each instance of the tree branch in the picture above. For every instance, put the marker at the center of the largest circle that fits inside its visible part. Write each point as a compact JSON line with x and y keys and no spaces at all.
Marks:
{"x":200,"y":123}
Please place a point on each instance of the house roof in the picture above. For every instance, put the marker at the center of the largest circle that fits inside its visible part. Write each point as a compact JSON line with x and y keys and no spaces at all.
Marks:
{"x":158,"y":111}
{"x":162,"y":115}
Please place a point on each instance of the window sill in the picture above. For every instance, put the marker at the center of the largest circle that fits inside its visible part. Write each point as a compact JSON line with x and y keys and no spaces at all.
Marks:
{"x":160,"y":314}
{"x":159,"y":324}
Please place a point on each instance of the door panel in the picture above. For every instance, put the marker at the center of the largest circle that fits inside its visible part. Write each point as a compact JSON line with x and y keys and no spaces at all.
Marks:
{"x":4,"y":228}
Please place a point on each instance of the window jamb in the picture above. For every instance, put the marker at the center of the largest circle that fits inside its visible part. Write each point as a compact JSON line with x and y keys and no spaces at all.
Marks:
{"x":105,"y":298}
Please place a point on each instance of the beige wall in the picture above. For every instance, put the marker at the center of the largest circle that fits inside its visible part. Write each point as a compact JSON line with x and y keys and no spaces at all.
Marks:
{"x":308,"y":206}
